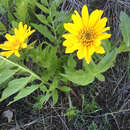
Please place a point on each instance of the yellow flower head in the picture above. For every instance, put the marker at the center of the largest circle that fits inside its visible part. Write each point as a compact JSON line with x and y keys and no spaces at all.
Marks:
{"x":17,"y":41}
{"x":85,"y":33}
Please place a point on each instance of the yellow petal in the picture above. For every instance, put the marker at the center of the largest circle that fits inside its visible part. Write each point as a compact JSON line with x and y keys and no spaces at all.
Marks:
{"x":17,"y":53}
{"x":101,"y":24}
{"x":20,"y":26}
{"x":97,"y":42}
{"x":71,"y":46}
{"x":29,"y":28}
{"x":28,"y":34}
{"x":24,"y":45}
{"x":95,"y":17}
{"x":7,"y":53}
{"x":104,"y":36}
{"x":91,"y":49}
{"x":70,"y":49}
{"x":88,"y":59}
{"x":99,"y":49}
{"x":32,"y":31}
{"x":77,"y":19}
{"x":66,"y":43}
{"x":8,"y":36}
{"x":80,"y":53}
{"x":87,"y":56}
{"x":15,"y":31}
{"x":71,"y":28}
{"x":5,"y":46}
{"x":70,"y":37}
{"x":25,"y":27}
{"x":85,"y":15}
{"x":105,"y":29}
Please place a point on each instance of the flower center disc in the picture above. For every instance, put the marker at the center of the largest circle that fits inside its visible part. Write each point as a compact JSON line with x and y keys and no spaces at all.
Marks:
{"x":88,"y":36}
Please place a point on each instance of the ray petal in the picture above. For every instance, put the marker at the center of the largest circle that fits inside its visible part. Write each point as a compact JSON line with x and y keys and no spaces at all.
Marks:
{"x":80,"y":53}
{"x":95,"y":17}
{"x":77,"y":19}
{"x":99,"y":49}
{"x":71,"y":28}
{"x":6,"y":54}
{"x":8,"y":36}
{"x":101,"y":24}
{"x":105,"y":29}
{"x":104,"y":36}
{"x":85,"y":15}
{"x":70,"y":49}
{"x":20,"y":26}
{"x":87,"y":56}
{"x":17,"y":53}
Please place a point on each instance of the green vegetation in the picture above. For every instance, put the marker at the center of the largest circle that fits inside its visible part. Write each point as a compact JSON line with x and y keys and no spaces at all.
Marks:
{"x":60,"y":87}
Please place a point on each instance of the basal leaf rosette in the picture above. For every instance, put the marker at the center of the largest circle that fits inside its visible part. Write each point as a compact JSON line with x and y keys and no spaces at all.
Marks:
{"x":85,"y":33}
{"x":17,"y":41}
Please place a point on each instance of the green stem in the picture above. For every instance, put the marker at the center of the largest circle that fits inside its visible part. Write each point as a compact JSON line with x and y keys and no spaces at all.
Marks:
{"x":19,"y":66}
{"x":70,"y":102}
{"x":53,"y":26}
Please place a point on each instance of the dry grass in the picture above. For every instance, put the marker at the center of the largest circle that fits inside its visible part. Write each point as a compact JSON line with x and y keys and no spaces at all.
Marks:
{"x":112,"y":96}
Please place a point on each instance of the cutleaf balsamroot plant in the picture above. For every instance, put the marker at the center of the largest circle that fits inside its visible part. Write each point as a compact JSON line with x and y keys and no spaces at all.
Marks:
{"x":53,"y":69}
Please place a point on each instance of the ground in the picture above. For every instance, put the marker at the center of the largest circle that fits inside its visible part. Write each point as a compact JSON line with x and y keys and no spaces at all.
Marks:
{"x":106,"y":104}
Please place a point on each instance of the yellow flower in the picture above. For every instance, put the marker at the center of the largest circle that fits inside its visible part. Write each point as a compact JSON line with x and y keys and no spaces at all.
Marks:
{"x":85,"y":34}
{"x":17,"y":41}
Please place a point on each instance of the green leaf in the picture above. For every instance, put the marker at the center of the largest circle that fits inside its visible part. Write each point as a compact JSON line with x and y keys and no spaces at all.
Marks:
{"x":45,"y":98}
{"x":52,"y":11}
{"x":123,"y":48}
{"x":11,"y":64}
{"x":125,"y":27}
{"x":79,"y":77}
{"x":4,"y":75}
{"x":44,"y":31}
{"x":24,"y":92}
{"x":8,"y":70}
{"x":43,"y":88}
{"x":14,"y":86}
{"x":93,"y":126}
{"x":41,"y":99}
{"x":107,"y":45}
{"x":57,"y":3}
{"x":72,"y":112}
{"x":22,"y":6}
{"x":107,"y":61}
{"x":2,"y":27}
{"x":60,"y":28}
{"x":100,"y":77}
{"x":43,"y":8}
{"x":54,"y":96}
{"x":5,"y":3}
{"x":14,"y":24}
{"x":44,"y":2}
{"x":47,"y":59}
{"x":10,"y":17}
{"x":91,"y":68}
{"x":54,"y":84}
{"x":71,"y":63}
{"x":64,"y":89}
{"x":42,"y":19}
